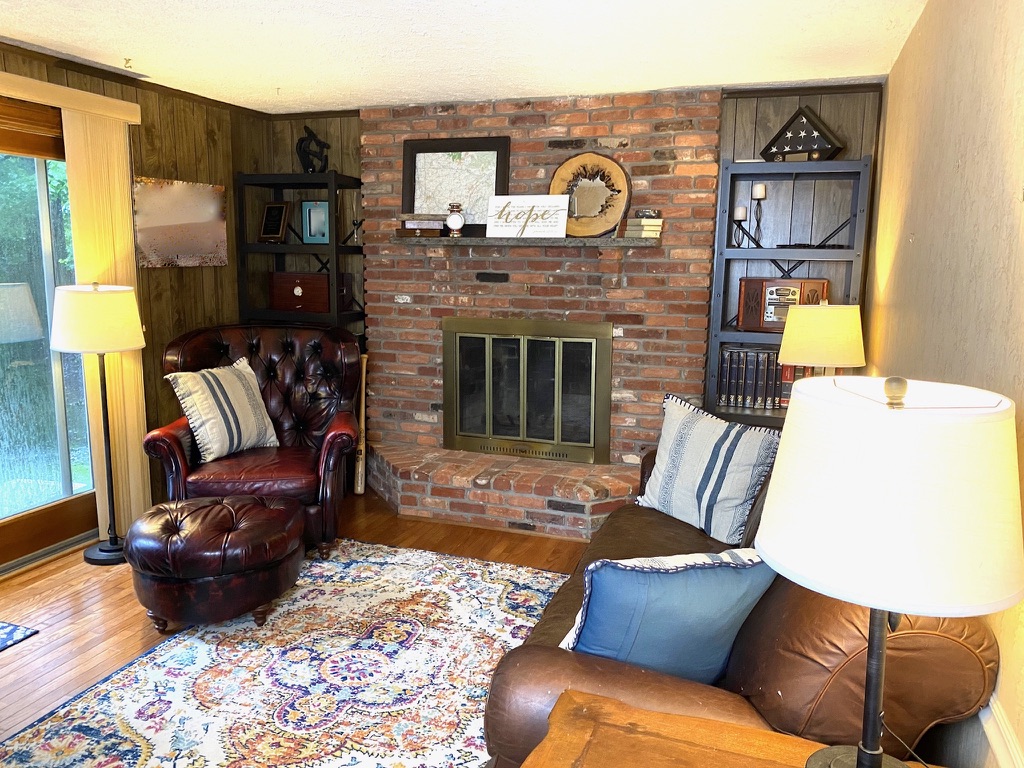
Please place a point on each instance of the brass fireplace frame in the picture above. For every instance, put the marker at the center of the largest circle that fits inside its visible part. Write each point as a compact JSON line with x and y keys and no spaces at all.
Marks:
{"x":595,"y":452}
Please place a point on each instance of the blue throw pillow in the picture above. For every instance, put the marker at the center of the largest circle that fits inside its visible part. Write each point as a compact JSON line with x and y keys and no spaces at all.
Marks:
{"x":678,"y":615}
{"x":707,"y":471}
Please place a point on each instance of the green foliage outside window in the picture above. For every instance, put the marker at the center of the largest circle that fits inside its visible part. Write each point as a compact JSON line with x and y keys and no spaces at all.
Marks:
{"x":36,"y":465}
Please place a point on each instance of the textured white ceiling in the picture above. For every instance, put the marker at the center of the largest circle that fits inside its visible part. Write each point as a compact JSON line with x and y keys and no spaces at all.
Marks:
{"x":282,"y":57}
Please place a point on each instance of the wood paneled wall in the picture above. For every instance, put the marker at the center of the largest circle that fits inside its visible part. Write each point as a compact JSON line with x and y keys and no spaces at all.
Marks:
{"x":751,"y":119}
{"x":189,"y":138}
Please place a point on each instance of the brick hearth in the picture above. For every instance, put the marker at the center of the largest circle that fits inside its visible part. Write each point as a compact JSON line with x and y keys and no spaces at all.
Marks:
{"x":656,"y":298}
{"x":556,"y":498}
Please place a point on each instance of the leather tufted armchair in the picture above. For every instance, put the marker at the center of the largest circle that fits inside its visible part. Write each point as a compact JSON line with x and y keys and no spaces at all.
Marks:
{"x":309,"y":378}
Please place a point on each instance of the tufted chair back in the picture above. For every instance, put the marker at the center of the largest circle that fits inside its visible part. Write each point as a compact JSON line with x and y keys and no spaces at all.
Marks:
{"x":306,"y":373}
{"x":309,"y":379}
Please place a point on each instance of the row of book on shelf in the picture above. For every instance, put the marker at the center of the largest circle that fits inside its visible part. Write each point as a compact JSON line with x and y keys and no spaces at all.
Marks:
{"x":753,"y":377}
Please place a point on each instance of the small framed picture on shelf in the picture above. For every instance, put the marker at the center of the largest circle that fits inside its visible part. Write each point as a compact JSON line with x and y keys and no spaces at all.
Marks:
{"x":315,"y":226}
{"x":274,"y":225}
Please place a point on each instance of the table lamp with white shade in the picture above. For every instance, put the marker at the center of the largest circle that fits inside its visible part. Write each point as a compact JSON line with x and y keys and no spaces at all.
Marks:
{"x":98,"y":319}
{"x":824,"y":336}
{"x":928,"y":520}
{"x":19,"y":320}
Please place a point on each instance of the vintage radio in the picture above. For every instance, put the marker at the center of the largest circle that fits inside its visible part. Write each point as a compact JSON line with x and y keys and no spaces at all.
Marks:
{"x":763,"y":303}
{"x":308,"y":292}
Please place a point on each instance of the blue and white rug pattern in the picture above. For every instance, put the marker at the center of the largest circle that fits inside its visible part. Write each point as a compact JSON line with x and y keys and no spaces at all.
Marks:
{"x":12,"y":634}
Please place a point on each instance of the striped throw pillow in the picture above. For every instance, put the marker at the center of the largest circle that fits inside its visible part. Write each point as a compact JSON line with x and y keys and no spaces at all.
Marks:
{"x":708,"y":471}
{"x":224,"y":409}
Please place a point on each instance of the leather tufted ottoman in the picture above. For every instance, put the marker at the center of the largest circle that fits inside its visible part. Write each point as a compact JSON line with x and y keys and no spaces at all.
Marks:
{"x":208,"y":559}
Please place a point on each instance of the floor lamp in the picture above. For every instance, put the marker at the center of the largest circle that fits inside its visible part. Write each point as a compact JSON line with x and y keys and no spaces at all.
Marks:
{"x":901,"y":496}
{"x":98,"y":319}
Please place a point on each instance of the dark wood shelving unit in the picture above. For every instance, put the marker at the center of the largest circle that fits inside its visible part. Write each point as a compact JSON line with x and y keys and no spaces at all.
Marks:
{"x":332,"y":259}
{"x":808,"y":193}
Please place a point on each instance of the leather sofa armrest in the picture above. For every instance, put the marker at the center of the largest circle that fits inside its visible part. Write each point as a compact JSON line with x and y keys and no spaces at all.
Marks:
{"x":339,"y":439}
{"x":646,"y":467}
{"x":172,"y":445}
{"x":800,"y":654}
{"x":529,"y":679}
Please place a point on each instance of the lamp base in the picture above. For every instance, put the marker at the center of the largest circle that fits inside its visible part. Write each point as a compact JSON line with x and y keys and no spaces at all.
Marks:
{"x":846,"y":757}
{"x":105,"y":553}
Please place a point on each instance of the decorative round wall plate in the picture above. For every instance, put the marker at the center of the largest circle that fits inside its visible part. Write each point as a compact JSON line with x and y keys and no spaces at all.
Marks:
{"x":598,"y":189}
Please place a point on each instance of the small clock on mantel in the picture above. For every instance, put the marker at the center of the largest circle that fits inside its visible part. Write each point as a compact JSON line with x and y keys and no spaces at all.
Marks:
{"x":456,"y":220}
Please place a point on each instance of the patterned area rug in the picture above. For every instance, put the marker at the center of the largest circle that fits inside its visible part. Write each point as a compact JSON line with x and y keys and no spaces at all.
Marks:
{"x":12,"y":634}
{"x":378,"y":657}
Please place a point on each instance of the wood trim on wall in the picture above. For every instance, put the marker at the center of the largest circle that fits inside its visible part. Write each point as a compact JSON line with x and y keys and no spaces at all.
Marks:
{"x":29,"y":117}
{"x":1002,"y":739}
{"x":43,"y":527}
{"x":29,"y":89}
{"x":31,"y":145}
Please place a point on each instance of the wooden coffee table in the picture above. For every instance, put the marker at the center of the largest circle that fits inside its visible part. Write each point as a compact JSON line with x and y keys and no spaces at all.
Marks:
{"x":587,"y":731}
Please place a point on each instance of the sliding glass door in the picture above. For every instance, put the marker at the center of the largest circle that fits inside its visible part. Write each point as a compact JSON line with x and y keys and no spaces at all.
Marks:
{"x":44,"y":441}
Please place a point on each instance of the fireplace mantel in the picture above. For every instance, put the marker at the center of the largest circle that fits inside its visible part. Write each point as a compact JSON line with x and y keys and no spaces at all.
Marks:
{"x":535,"y":242}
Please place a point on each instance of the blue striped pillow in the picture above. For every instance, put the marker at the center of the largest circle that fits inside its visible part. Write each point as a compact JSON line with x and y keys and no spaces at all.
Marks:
{"x":224,"y":409}
{"x":708,"y":471}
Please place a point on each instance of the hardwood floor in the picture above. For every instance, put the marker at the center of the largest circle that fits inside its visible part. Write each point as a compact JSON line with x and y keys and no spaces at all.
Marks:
{"x":90,"y":624}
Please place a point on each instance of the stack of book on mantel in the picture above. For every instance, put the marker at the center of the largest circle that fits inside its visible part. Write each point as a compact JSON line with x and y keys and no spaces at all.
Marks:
{"x":420,"y":224}
{"x":640,"y":228}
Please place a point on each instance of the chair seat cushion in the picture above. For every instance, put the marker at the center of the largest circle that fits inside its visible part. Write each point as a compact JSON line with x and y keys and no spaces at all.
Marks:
{"x":285,"y":471}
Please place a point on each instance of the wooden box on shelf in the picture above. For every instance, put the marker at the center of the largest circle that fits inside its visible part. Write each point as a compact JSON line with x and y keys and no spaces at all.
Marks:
{"x":300,"y":275}
{"x":299,"y":292}
{"x":309,"y":291}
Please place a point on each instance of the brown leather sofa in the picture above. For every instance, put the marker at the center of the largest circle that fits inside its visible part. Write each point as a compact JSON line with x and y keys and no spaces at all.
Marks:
{"x":797,"y":666}
{"x":309,"y":378}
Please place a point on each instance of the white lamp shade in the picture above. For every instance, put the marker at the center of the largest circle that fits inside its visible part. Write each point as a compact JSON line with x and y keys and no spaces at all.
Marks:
{"x":826,"y":335}
{"x":19,"y":320}
{"x":913,"y":510}
{"x":95,"y":318}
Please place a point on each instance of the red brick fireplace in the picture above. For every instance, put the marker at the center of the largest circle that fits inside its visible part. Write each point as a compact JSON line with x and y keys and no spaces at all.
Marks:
{"x":656,"y":298}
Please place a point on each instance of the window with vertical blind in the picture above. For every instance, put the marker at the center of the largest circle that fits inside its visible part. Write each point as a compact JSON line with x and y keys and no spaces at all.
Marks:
{"x":96,"y":149}
{"x":44,"y":437}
